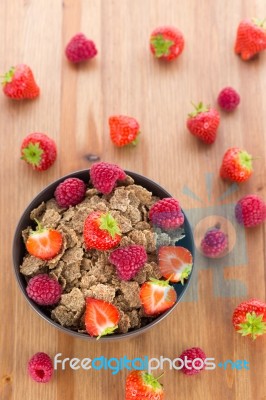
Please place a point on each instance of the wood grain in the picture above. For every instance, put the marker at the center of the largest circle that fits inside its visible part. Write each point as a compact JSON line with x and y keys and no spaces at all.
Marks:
{"x":73,"y":108}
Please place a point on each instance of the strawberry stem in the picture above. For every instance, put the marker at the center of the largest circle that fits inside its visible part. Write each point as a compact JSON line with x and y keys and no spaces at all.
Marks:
{"x":8,"y":76}
{"x":160,"y":376}
{"x":200,"y":108}
{"x":109,"y":224}
{"x":253,"y":325}
{"x":261,"y":23}
{"x":161,"y":45}
{"x":107,"y":331}
{"x":32,"y":153}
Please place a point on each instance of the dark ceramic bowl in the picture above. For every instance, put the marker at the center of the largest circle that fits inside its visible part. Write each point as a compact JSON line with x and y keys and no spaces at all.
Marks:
{"x":19,"y":252}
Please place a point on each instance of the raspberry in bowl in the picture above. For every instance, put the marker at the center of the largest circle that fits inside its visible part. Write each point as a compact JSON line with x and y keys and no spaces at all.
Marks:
{"x":103,"y":244}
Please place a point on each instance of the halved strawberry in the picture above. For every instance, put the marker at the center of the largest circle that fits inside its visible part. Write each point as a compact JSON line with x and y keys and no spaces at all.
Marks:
{"x":44,"y":243}
{"x":175,"y":263}
{"x":157,"y":296}
{"x":101,"y":318}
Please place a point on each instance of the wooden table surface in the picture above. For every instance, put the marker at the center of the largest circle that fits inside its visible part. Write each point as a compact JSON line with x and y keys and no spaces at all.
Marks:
{"x":73,"y":108}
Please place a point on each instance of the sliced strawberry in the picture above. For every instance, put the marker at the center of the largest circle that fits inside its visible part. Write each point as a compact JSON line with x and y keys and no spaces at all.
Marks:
{"x":175,"y":263}
{"x":44,"y":243}
{"x":101,"y":318}
{"x":157,"y":296}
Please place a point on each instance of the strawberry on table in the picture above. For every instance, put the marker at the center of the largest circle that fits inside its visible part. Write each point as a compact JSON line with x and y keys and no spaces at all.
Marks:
{"x":141,"y":385}
{"x":251,"y":38}
{"x":249,"y":318}
{"x":124,"y":130}
{"x":101,"y":317}
{"x":39,"y":151}
{"x":236,"y":165}
{"x":101,"y":231}
{"x":157,"y":296}
{"x":104,"y":176}
{"x":203,"y":123}
{"x":167,"y":42}
{"x":19,"y":83}
{"x":175,"y":263}
{"x":44,"y":243}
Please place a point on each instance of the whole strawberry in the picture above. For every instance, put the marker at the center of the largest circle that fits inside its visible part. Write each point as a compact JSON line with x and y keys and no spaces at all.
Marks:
{"x":104,"y":176}
{"x":236,"y":165}
{"x":80,"y":48}
{"x":249,"y":318}
{"x":38,"y":150}
{"x":101,"y":231}
{"x":167,"y":43}
{"x":203,"y":123}
{"x":166,"y":214}
{"x":194,"y":361}
{"x":123,"y":130}
{"x":143,"y":386}
{"x":228,"y":99}
{"x":19,"y":83}
{"x":40,"y":368}
{"x":251,"y":38}
{"x":250,"y":211}
{"x":128,"y":261}
{"x":215,"y":243}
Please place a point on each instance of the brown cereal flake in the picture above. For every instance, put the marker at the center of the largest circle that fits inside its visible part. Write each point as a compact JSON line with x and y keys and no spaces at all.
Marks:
{"x":103,"y":292}
{"x":38,"y":212}
{"x":130,"y":290}
{"x":124,"y":322}
{"x":150,"y":241}
{"x":138,"y":237}
{"x":144,"y":196}
{"x":50,"y":219}
{"x":142,"y":226}
{"x":71,"y":272}
{"x":123,"y":222}
{"x":32,"y":266}
{"x":119,"y":200}
{"x":52,"y":205}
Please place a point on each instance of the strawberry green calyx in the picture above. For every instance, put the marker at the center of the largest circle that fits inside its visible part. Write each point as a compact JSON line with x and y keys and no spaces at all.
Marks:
{"x":261,"y":23}
{"x":107,"y":331}
{"x":253,"y":326}
{"x":161,"y":45}
{"x":160,"y":282}
{"x":39,"y":228}
{"x":109,"y":224}
{"x":8,"y":76}
{"x":136,"y":140}
{"x":185,"y":273}
{"x":245,"y":160}
{"x":200,"y":108}
{"x":32,"y":154}
{"x":151,"y":381}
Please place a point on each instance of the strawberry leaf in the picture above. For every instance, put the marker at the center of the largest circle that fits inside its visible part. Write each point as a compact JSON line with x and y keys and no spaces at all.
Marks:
{"x":161,"y":45}
{"x":107,"y":331}
{"x":185,"y":273}
{"x":253,"y":325}
{"x":109,"y":224}
{"x":32,"y":154}
{"x":8,"y":76}
{"x":200,"y":108}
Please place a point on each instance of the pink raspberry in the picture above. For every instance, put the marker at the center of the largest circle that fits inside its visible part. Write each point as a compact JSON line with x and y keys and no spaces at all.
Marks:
{"x":104,"y":176}
{"x":166,"y":214}
{"x":194,"y":360}
{"x":250,"y":210}
{"x":128,"y":261}
{"x":70,"y":192}
{"x":40,"y":368}
{"x":215,"y":243}
{"x":44,"y":290}
{"x":80,"y":48}
{"x":228,"y":99}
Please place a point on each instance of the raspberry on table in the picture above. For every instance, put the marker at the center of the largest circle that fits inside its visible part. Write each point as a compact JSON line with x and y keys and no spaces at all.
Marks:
{"x":250,"y":211}
{"x":40,"y":367}
{"x":215,"y":243}
{"x":70,"y":192}
{"x":166,"y":214}
{"x":44,"y":290}
{"x":191,"y":355}
{"x":80,"y":48}
{"x":128,"y":261}
{"x":228,"y":99}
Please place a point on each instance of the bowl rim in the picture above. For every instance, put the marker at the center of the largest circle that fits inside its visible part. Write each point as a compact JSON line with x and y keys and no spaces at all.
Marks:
{"x":36,"y":308}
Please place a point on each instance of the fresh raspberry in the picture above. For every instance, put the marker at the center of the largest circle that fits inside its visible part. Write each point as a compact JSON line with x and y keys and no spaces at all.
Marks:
{"x":40,"y":368}
{"x":104,"y":176}
{"x":80,"y":48}
{"x":70,"y":192}
{"x":250,"y":210}
{"x":166,"y":214}
{"x":44,"y":290}
{"x":215,"y":243}
{"x":191,"y":355}
{"x":228,"y":99}
{"x":128,"y":261}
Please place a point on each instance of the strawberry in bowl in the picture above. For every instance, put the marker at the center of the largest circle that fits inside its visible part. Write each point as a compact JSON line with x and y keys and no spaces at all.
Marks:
{"x":92,"y":241}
